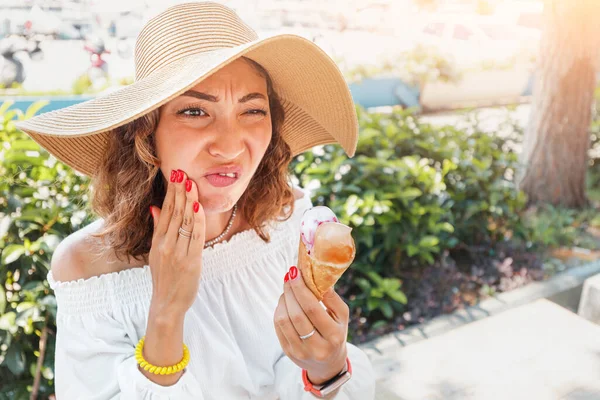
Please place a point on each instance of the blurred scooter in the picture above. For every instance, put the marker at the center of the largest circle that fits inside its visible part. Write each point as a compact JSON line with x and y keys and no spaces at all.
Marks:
{"x":15,"y":54}
{"x":98,"y":70}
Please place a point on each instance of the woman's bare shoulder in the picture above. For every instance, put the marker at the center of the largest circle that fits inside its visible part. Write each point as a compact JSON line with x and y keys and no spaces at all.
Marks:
{"x":298,"y":193}
{"x":78,"y":256}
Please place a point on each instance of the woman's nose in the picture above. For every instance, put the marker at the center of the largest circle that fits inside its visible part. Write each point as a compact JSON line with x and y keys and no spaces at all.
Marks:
{"x":227,"y":144}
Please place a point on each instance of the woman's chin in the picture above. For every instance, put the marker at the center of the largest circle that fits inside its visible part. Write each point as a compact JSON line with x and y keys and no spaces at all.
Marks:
{"x":218,"y":203}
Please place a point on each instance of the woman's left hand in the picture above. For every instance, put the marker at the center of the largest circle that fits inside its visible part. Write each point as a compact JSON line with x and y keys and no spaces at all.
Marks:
{"x":323,"y":355}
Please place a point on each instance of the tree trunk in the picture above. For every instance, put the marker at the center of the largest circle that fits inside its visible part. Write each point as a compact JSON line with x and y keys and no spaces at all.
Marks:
{"x":557,"y":139}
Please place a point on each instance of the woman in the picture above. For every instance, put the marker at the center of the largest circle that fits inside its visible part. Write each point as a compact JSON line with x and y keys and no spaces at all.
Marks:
{"x":199,"y":298}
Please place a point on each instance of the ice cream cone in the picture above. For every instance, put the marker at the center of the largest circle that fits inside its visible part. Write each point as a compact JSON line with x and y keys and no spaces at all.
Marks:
{"x":332,"y":253}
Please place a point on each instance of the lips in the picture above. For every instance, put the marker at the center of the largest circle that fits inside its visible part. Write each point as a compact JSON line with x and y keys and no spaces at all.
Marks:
{"x":217,"y":180}
{"x":225,"y":169}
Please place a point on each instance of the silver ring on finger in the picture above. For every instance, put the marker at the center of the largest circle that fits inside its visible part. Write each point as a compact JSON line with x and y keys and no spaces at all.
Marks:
{"x":184,"y":233}
{"x":304,"y":337}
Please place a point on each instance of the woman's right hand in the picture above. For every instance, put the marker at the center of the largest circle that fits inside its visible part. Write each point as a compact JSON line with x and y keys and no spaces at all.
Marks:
{"x":175,"y":260}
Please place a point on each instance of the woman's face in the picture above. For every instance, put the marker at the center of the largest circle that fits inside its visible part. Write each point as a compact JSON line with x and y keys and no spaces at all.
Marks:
{"x":224,"y":121}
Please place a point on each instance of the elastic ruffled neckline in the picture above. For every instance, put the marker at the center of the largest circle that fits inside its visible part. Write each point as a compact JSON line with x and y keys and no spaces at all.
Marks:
{"x":126,"y":274}
{"x":217,"y":260}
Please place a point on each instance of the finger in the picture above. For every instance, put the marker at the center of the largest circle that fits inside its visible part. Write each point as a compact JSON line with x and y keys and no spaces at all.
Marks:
{"x":336,"y":305}
{"x":164,"y":215}
{"x":300,"y":321}
{"x":187,"y":223}
{"x":278,"y":318}
{"x":319,"y":318}
{"x":282,"y":319}
{"x":285,"y":345}
{"x":177,"y":216}
{"x":199,"y":229}
{"x":154,"y":212}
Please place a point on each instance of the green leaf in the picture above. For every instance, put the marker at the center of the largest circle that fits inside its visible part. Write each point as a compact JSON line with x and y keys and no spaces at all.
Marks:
{"x":375,"y":277}
{"x":48,"y":303}
{"x":7,"y":322}
{"x":409,"y":194}
{"x":25,"y":305}
{"x":369,"y":133}
{"x":23,"y":159}
{"x":373,"y":303}
{"x":35,"y":107}
{"x":2,"y":299}
{"x":352,"y":204}
{"x":5,"y":223}
{"x":379,"y":324}
{"x":429,"y":241}
{"x":428,"y":257}
{"x":391,"y":285}
{"x":447,"y":166}
{"x":33,"y":286}
{"x":25,"y":317}
{"x":373,"y":253}
{"x":446,"y":227}
{"x":399,"y":296}
{"x":15,"y":359}
{"x":387,"y":310}
{"x":411,"y":250}
{"x":11,"y":253}
{"x":5,"y":106}
{"x":49,"y":242}
{"x":48,"y":373}
{"x":10,"y":114}
{"x":363,"y":284}
{"x":24,"y":145}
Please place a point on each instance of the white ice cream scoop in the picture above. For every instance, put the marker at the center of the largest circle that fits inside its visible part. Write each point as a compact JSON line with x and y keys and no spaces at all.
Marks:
{"x":312,"y":218}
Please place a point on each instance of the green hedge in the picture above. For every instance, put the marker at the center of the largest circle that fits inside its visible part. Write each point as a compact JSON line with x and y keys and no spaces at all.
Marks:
{"x":41,"y":202}
{"x":411,"y":193}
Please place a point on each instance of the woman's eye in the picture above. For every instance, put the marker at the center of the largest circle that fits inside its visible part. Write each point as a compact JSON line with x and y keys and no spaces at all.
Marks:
{"x":198,"y":112}
{"x":256,"y":112}
{"x":192,"y":112}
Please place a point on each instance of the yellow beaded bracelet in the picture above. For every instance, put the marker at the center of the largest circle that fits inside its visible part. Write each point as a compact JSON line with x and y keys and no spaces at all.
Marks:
{"x":153,"y":369}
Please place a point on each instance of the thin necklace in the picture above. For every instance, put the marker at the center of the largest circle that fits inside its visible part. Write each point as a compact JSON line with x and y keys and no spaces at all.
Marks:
{"x":222,"y":235}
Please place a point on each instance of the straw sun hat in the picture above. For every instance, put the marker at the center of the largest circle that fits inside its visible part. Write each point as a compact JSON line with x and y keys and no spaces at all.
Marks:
{"x":179,"y":48}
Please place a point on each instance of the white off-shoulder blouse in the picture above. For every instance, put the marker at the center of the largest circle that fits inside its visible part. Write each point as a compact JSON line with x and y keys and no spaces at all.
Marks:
{"x":234,"y":350}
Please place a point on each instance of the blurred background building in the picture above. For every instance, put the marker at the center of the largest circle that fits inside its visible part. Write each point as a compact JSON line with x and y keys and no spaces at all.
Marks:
{"x":431,"y":54}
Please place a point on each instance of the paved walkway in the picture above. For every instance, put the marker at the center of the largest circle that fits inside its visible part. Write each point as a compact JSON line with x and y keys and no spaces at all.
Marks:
{"x":539,"y":351}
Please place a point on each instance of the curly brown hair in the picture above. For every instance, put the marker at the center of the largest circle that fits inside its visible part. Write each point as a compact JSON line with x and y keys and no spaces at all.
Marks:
{"x":129,"y":181}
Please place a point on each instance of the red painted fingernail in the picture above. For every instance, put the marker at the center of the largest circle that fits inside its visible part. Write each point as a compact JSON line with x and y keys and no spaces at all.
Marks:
{"x":173,"y":175}
{"x":196,"y":206}
{"x":179,"y":176}
{"x":188,"y":185}
{"x":286,"y":278}
{"x":293,"y":273}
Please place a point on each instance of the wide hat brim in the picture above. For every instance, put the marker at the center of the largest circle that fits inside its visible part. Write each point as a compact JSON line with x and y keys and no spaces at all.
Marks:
{"x":316,"y":99}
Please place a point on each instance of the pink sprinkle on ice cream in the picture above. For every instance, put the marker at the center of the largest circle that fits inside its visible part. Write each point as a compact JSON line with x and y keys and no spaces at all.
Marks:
{"x":312,"y":218}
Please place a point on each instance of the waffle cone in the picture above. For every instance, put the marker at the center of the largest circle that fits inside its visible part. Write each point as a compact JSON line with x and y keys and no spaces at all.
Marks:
{"x":332,"y":253}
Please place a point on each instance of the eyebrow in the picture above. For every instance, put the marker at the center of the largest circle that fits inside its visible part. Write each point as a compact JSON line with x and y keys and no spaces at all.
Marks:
{"x":214,"y":99}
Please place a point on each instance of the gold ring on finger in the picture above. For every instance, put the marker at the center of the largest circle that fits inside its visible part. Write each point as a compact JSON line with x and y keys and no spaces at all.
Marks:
{"x":183,"y":232}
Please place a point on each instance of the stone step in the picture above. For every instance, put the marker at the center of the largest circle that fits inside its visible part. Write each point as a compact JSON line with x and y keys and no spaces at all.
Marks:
{"x":589,"y":305}
{"x":538,"y":351}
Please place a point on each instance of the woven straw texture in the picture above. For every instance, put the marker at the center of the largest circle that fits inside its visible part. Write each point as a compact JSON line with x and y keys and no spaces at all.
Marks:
{"x":178,"y":49}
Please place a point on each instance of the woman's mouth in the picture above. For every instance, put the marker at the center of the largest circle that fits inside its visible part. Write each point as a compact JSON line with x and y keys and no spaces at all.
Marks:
{"x":222,"y":180}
